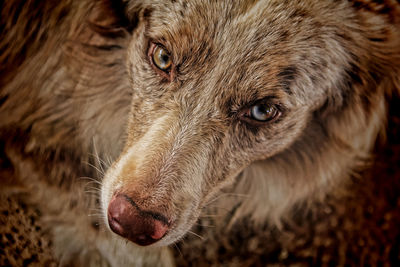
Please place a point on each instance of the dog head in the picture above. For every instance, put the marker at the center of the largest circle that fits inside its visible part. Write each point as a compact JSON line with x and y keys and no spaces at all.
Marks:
{"x":218,"y":85}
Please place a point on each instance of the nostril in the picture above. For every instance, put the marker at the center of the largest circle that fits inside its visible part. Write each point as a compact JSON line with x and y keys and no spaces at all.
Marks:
{"x":159,"y":230}
{"x":115,"y":225}
{"x":128,"y":220}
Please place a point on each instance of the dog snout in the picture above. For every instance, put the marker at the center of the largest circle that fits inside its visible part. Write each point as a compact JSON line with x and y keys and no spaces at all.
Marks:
{"x":126,"y":219}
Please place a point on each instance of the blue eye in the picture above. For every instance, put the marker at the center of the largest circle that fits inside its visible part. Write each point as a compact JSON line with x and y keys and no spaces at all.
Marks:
{"x":263,"y":112}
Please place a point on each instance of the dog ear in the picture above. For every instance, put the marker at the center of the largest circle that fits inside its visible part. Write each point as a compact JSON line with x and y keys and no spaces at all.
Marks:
{"x":135,"y":8}
{"x":112,"y":17}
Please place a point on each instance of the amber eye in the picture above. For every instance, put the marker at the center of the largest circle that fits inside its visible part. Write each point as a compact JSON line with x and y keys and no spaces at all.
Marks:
{"x":161,"y":58}
{"x":263,"y":112}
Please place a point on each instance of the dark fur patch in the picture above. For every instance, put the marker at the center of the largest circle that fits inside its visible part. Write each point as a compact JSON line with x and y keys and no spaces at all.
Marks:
{"x":381,"y":7}
{"x":287,"y":76}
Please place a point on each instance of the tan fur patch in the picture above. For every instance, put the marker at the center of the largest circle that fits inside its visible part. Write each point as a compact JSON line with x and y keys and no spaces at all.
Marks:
{"x":79,"y":88}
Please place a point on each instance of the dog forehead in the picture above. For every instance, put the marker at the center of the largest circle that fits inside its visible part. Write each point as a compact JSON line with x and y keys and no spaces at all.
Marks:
{"x":215,"y":21}
{"x":236,"y":34}
{"x":256,"y":48}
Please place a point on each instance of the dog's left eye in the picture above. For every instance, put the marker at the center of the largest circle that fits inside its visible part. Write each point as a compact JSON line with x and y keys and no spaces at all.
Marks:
{"x":263,"y":112}
{"x":260,"y":113}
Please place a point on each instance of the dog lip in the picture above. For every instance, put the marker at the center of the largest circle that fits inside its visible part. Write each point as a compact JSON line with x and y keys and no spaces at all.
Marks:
{"x":142,"y":240}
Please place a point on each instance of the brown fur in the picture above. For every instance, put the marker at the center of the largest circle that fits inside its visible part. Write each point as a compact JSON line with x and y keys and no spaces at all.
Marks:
{"x":76,"y":85}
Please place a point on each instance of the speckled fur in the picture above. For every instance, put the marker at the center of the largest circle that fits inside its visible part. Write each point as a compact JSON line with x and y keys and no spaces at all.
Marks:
{"x":77,"y":91}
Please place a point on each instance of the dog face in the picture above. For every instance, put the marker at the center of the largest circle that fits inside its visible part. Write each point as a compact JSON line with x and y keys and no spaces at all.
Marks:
{"x":216,"y":86}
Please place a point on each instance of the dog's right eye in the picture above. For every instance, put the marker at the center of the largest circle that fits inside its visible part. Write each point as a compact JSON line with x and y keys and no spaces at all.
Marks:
{"x":161,"y":58}
{"x":161,"y":61}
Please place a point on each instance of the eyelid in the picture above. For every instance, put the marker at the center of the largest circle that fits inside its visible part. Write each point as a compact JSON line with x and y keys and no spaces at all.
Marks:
{"x":269,"y":100}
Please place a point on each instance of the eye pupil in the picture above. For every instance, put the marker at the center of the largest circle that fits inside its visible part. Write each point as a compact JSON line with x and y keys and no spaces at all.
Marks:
{"x":263,"y":112}
{"x":165,"y":58}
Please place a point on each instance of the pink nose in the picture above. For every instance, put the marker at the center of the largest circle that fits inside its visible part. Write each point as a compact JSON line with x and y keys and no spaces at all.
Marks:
{"x":128,"y":220}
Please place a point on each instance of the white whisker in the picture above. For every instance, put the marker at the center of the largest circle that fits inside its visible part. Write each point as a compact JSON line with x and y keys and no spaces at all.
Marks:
{"x":193,"y":233}
{"x":210,"y":215}
{"x":99,"y":170}
{"x":90,"y":180}
{"x":226,"y":195}
{"x":177,"y":248}
{"x":206,"y":226}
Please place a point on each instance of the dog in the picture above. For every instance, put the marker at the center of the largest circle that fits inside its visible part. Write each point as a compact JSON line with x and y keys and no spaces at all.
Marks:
{"x":275,"y":100}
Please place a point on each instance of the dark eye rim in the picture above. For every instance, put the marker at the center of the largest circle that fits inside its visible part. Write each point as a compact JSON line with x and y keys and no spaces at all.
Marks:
{"x":245,"y":113}
{"x":169,"y":73}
